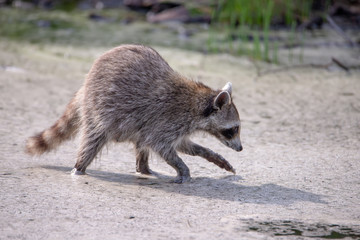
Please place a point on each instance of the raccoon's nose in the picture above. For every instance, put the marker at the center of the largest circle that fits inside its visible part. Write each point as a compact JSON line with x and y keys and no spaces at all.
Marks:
{"x":239,"y":148}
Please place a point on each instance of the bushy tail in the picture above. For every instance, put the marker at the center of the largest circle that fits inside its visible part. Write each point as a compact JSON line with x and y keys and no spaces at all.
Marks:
{"x":63,"y":129}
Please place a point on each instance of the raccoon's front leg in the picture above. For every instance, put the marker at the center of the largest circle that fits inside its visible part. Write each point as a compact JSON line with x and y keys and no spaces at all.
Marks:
{"x":183,"y":172}
{"x":193,"y":149}
{"x":142,"y":161}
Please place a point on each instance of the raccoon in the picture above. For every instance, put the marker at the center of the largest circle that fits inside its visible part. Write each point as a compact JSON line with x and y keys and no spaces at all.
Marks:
{"x":132,"y":94}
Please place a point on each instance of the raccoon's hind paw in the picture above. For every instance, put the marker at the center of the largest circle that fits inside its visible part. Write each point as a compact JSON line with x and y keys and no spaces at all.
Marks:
{"x":76,"y":172}
{"x":145,"y":171}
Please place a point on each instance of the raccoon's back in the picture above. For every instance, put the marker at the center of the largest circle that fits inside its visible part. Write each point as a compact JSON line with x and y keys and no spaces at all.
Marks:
{"x":130,"y":80}
{"x":127,"y":74}
{"x":133,"y":86}
{"x":131,"y":68}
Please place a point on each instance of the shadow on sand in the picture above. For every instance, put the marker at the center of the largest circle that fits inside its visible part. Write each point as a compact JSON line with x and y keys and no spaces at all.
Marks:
{"x":228,"y":188}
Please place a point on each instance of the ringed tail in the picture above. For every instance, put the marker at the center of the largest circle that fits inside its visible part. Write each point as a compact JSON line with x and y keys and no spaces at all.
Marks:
{"x":63,"y":129}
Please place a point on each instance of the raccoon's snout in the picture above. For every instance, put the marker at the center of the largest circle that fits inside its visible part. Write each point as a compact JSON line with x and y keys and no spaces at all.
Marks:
{"x":239,"y":148}
{"x":231,"y":137}
{"x":236,"y":145}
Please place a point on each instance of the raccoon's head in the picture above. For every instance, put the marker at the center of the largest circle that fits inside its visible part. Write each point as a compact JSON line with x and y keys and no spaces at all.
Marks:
{"x":223,"y":119}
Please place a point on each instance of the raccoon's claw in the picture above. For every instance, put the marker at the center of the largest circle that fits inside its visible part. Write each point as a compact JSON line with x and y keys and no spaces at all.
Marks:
{"x":229,"y":168}
{"x":181,"y":179}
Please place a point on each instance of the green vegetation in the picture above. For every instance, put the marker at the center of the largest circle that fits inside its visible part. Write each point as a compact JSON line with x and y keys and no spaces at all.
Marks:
{"x":239,"y":27}
{"x":248,"y":23}
{"x":76,"y":28}
{"x":58,"y":27}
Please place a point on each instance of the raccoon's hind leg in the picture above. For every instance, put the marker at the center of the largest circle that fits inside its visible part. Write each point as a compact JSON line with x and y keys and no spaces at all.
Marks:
{"x":193,"y":149}
{"x":142,"y":161}
{"x":91,"y":143}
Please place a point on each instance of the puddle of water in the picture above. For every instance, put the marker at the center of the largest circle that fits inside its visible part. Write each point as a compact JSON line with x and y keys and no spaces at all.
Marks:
{"x":293,"y":228}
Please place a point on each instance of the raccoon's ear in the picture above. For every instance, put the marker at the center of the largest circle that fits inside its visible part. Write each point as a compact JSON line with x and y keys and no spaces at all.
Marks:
{"x":223,"y":98}
{"x":228,"y":88}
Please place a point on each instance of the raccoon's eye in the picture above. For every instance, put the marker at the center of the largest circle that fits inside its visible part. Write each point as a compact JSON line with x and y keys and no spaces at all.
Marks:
{"x":230,"y":132}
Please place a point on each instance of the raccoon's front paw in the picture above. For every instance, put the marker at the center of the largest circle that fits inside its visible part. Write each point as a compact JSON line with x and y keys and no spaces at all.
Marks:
{"x":228,"y":167}
{"x":233,"y":170}
{"x":181,"y":179}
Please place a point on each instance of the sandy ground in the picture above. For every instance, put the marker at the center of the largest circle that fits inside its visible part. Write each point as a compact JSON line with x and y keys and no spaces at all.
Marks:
{"x":297,"y":177}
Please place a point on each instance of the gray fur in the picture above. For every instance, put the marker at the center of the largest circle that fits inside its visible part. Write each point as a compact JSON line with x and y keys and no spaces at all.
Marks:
{"x":132,"y":94}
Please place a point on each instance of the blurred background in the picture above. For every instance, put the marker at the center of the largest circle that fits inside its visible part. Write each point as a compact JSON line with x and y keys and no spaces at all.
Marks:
{"x":294,"y":66}
{"x":275,"y":31}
